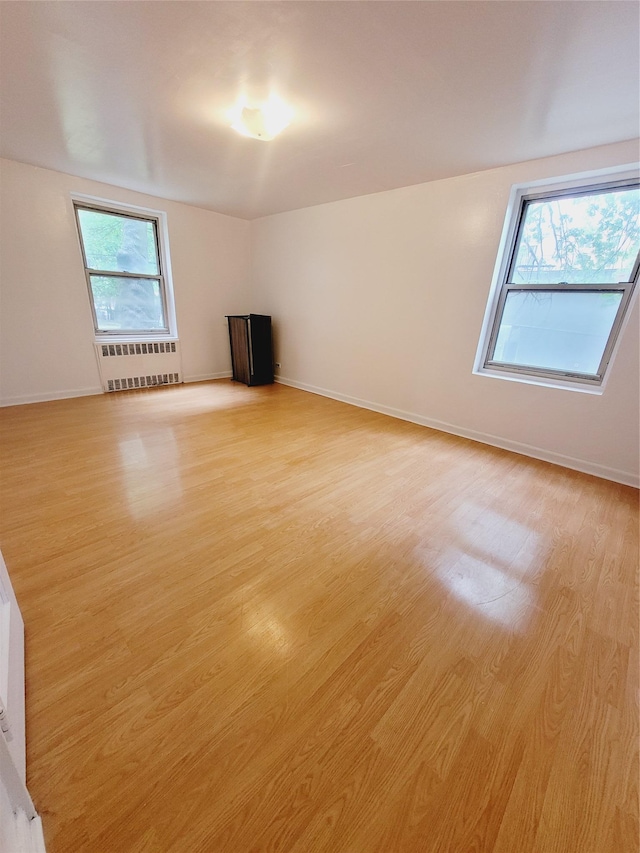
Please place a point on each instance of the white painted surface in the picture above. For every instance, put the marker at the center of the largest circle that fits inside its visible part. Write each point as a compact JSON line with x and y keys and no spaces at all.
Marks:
{"x":7,"y":829}
{"x":386,"y":94}
{"x":13,"y":787}
{"x":381,"y":299}
{"x":124,"y":367}
{"x":46,"y":331}
{"x":20,"y":826}
{"x":12,"y":693}
{"x":18,"y":832}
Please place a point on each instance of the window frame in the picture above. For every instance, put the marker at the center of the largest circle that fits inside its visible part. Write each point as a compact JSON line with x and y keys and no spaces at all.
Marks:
{"x":521,"y":197}
{"x":163,"y":276}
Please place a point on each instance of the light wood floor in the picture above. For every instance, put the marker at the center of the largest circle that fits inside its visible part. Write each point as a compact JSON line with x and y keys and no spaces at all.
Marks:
{"x":260,"y":620}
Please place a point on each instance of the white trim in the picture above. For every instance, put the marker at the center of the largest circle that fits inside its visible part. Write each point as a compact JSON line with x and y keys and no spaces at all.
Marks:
{"x":28,"y":833}
{"x":13,"y":689}
{"x":529,"y":379}
{"x":88,"y":392}
{"x":503,"y":259}
{"x":207,"y":377}
{"x":137,"y":339}
{"x":20,"y":826}
{"x":49,"y":396}
{"x":83,"y":198}
{"x":164,"y":250}
{"x":13,"y":783}
{"x":18,"y":832}
{"x":582,"y":465}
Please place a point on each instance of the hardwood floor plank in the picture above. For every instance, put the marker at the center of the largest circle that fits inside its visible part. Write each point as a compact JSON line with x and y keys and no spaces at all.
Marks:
{"x":261,"y":620}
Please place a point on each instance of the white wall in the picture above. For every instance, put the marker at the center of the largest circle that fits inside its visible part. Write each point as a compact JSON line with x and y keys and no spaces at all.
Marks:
{"x":379,"y":300}
{"x":46,"y":331}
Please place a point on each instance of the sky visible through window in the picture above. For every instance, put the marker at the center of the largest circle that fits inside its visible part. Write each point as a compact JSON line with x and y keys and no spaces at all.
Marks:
{"x":590,"y":239}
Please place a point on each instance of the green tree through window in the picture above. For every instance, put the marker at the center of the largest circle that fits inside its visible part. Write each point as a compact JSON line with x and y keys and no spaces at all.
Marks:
{"x":123,"y":268}
{"x":566,"y":283}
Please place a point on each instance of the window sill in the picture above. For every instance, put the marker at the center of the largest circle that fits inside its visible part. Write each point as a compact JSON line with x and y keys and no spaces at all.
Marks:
{"x":135,"y":339}
{"x":544,"y":382}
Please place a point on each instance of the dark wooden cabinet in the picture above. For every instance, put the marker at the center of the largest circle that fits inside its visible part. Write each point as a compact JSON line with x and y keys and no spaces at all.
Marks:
{"x":251,"y":348}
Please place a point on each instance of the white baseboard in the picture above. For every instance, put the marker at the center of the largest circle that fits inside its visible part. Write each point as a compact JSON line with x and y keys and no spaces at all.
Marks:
{"x":45,"y":398}
{"x":617,"y":476}
{"x":87,"y":392}
{"x":206,"y":377}
{"x":582,"y":465}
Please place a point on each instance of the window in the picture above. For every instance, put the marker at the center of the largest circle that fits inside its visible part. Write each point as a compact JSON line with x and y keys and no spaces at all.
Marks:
{"x":565,"y":283}
{"x":125,"y":271}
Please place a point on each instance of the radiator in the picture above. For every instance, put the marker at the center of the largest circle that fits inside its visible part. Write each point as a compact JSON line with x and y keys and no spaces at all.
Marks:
{"x":141,"y":365}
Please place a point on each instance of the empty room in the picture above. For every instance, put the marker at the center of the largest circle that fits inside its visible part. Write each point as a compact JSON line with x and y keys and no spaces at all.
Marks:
{"x":319,"y":426}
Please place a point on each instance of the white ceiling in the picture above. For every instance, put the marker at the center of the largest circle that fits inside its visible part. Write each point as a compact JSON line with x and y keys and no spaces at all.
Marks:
{"x":385,"y":94}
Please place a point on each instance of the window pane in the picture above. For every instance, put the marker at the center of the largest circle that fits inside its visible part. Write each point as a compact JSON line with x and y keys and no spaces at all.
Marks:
{"x":588,"y":239}
{"x":557,"y":331}
{"x":118,"y":243}
{"x":131,"y":304}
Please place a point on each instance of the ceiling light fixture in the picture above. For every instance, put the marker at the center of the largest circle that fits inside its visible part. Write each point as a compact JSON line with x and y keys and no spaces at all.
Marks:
{"x":262,"y":122}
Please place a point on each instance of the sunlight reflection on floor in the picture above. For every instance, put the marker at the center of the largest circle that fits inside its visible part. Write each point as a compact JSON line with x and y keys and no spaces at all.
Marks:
{"x":150,"y":471}
{"x":487,"y":563}
{"x":492,"y":592}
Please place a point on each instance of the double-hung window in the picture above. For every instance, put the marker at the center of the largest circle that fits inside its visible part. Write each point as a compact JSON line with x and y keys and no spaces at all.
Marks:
{"x":125,"y":270}
{"x":565,"y":282}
